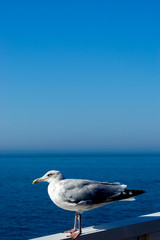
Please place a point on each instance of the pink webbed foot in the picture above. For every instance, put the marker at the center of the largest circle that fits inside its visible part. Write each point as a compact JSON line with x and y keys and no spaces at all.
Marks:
{"x":74,"y":235}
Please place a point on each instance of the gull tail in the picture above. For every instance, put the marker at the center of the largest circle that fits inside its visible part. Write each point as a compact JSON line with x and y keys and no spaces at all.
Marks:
{"x":128,"y":195}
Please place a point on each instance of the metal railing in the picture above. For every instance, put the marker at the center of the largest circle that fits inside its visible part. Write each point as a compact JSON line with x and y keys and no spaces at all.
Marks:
{"x":139,"y":228}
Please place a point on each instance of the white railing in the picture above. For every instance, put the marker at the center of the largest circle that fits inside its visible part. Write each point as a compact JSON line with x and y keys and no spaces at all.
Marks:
{"x":139,"y":228}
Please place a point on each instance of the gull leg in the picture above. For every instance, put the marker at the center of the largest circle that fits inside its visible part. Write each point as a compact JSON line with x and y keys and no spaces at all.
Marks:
{"x":75,"y":225}
{"x":75,"y":235}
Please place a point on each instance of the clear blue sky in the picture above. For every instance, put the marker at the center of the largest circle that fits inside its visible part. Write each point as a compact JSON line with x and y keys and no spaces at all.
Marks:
{"x":80,"y":75}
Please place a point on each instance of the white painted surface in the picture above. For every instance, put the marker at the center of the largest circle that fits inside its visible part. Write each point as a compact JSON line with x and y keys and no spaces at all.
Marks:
{"x":125,"y":229}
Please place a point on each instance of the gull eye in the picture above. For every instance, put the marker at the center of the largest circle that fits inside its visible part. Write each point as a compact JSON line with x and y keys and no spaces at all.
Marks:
{"x":49,"y":174}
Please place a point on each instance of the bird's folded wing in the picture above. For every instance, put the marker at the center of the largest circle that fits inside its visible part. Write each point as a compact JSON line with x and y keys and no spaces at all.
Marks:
{"x":85,"y":192}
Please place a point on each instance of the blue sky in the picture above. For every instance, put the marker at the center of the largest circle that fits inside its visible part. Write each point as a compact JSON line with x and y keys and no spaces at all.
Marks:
{"x":80,"y":76}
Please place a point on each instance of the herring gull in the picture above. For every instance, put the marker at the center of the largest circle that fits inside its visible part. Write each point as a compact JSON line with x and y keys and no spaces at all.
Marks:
{"x":81,"y":195}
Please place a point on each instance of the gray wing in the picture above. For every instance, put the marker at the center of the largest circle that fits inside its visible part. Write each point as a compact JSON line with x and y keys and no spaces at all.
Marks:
{"x":90,"y":192}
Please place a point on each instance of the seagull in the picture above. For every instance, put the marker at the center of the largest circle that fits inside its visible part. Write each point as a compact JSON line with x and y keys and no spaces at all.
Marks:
{"x":81,"y":195}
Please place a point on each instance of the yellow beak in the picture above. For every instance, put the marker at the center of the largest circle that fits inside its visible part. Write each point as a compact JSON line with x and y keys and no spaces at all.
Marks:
{"x":37,"y":181}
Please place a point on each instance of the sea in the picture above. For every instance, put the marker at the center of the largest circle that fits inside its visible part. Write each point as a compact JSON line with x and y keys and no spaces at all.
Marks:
{"x":27,"y":212}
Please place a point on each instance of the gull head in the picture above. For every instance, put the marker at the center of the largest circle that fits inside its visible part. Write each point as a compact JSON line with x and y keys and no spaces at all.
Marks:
{"x":51,"y":176}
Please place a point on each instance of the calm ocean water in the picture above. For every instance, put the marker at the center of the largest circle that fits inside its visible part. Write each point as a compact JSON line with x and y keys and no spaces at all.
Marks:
{"x":27,"y":212}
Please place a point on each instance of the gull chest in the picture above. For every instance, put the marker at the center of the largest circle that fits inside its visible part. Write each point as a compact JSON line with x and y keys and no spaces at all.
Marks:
{"x":56,"y":194}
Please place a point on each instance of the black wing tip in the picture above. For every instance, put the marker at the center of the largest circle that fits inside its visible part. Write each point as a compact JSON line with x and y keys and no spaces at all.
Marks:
{"x":136,"y":192}
{"x":141,"y":191}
